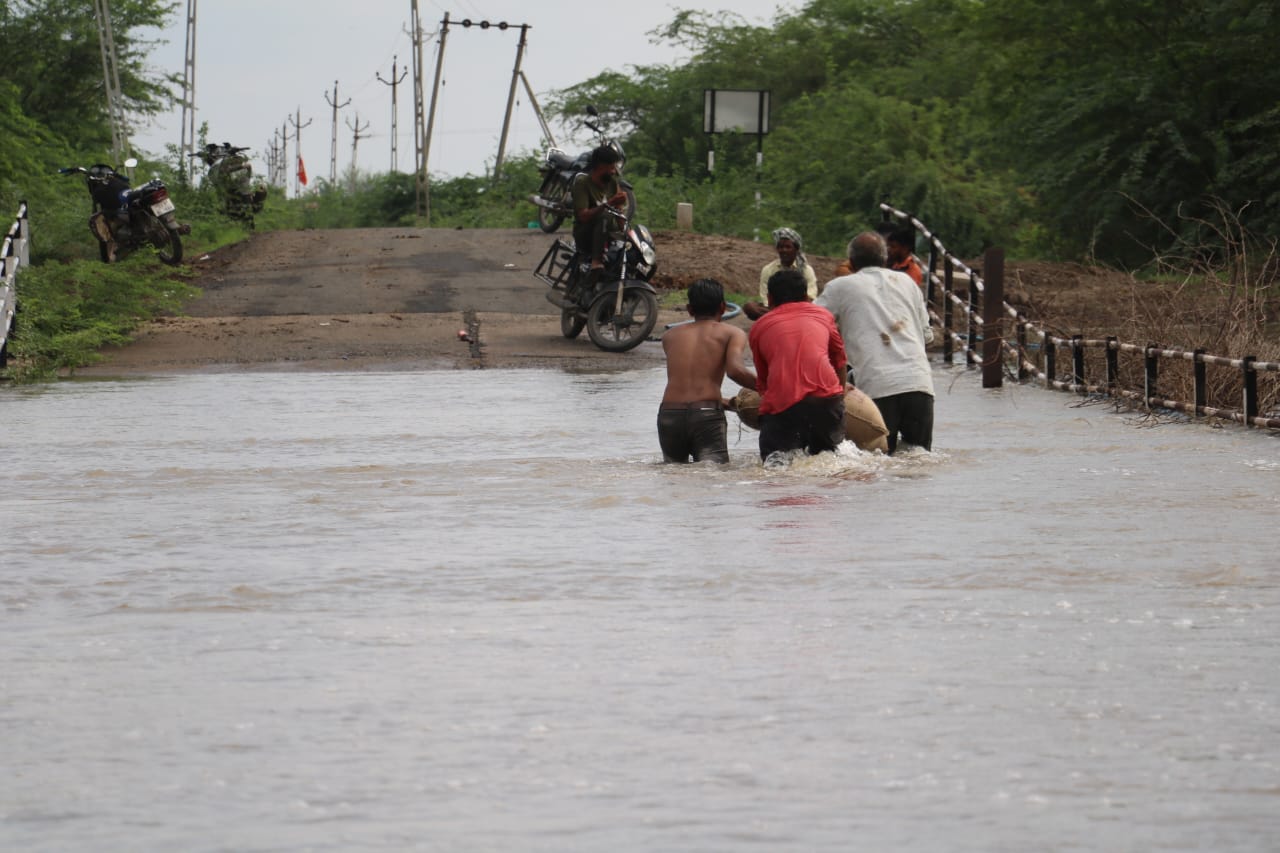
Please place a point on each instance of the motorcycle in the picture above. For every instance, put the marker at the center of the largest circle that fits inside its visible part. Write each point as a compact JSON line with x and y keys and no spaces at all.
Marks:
{"x":231,"y":176}
{"x":127,"y":218}
{"x":554,"y":198}
{"x":617,"y":305}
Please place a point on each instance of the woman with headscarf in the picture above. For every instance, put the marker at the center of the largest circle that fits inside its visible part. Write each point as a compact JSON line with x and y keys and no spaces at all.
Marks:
{"x":790,"y":250}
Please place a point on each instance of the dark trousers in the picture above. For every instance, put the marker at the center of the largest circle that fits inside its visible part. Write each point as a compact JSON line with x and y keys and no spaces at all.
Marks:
{"x":592,"y":238}
{"x":815,"y":424}
{"x":696,"y":430}
{"x":909,"y":414}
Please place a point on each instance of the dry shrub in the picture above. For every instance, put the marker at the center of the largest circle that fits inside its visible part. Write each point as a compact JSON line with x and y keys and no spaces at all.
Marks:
{"x":1216,"y":289}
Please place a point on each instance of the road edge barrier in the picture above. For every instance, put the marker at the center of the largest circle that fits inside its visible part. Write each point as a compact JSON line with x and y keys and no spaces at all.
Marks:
{"x":986,"y":316}
{"x":14,"y":254}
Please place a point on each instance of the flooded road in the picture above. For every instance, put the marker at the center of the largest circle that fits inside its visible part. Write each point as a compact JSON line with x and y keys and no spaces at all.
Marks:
{"x":469,"y":610}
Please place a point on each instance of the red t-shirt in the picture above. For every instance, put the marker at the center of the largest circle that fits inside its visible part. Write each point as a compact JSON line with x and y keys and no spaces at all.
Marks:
{"x":798,"y":353}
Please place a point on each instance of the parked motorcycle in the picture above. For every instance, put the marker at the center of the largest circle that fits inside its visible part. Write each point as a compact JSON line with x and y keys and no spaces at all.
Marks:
{"x":554,"y":198}
{"x":231,"y":176}
{"x":617,"y":305}
{"x":126,"y":218}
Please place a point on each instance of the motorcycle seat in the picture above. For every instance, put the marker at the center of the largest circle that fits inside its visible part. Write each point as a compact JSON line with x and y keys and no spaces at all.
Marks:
{"x":560,"y":160}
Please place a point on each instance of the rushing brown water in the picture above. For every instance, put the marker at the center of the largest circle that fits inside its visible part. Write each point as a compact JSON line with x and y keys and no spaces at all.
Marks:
{"x":470,"y":611}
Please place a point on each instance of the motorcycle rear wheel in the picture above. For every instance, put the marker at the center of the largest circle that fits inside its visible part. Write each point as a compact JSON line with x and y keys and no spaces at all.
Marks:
{"x":625,"y":329}
{"x":549,"y":221}
{"x":572,"y":323}
{"x":167,"y":244}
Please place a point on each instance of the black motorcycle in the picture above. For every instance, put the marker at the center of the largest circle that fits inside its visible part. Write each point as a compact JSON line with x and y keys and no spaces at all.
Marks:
{"x":554,"y":198}
{"x":231,"y":177}
{"x":617,"y":305}
{"x":126,"y":218}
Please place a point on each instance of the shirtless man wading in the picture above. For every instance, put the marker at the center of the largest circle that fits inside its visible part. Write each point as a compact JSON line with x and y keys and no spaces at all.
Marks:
{"x":691,"y":421}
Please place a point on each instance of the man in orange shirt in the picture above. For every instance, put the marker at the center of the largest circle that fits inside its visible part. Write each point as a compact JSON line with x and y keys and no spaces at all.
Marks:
{"x":800,"y":368}
{"x":902,"y":243}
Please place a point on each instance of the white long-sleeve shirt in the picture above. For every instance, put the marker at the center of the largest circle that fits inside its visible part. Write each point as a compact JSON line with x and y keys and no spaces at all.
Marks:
{"x":885,"y":328}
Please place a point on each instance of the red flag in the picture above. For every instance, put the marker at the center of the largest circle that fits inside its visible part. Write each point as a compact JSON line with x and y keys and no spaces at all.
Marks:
{"x":302,"y":171}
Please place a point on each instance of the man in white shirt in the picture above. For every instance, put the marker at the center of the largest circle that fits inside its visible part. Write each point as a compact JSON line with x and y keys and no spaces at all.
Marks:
{"x":885,"y":328}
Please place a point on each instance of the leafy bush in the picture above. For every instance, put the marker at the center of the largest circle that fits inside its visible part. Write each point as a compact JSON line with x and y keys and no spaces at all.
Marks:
{"x":69,"y":310}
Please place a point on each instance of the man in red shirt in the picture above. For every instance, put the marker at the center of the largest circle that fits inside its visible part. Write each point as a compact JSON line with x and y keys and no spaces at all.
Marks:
{"x":800,"y":368}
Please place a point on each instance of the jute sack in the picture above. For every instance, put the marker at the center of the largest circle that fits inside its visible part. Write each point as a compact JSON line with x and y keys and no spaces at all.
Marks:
{"x":862,"y":422}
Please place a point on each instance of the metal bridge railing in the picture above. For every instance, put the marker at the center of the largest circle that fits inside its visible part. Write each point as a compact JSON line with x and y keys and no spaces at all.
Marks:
{"x":14,"y":254}
{"x":988,"y":296}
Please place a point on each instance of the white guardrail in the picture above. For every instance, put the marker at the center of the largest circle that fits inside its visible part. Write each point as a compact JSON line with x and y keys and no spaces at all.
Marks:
{"x":14,"y":254}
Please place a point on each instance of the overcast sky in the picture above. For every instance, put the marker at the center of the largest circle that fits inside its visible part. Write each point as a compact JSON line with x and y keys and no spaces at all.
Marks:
{"x":259,"y":61}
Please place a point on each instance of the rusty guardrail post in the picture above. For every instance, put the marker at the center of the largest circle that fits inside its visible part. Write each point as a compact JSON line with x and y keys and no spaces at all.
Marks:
{"x":1113,"y":364}
{"x":948,"y":312}
{"x":1151,"y":356}
{"x":993,"y":319}
{"x":1201,"y":381}
{"x":1077,"y":362}
{"x":1250,"y":389}
{"x":971,"y":336}
{"x":1050,"y":360}
{"x":1022,"y":346}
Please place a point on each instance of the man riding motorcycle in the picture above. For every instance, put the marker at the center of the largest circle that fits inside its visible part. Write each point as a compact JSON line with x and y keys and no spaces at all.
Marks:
{"x":594,"y":191}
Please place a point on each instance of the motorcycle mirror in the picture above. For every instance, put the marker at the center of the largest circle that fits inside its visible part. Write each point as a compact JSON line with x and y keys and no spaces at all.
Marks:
{"x":592,"y":111}
{"x":131,"y":162}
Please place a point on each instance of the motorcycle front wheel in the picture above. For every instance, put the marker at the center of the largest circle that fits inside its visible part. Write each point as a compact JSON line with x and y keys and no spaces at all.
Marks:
{"x":572,"y":323}
{"x":620,"y":330}
{"x":166,"y":242}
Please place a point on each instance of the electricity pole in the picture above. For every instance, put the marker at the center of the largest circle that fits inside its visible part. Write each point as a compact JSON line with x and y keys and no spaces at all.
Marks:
{"x":282,"y":174}
{"x":435,"y":92}
{"x":511,"y":100}
{"x":297,"y":146}
{"x":187,"y":146}
{"x":111,"y":80}
{"x":395,"y":132}
{"x":422,"y":187}
{"x":356,"y":132}
{"x":333,"y":145}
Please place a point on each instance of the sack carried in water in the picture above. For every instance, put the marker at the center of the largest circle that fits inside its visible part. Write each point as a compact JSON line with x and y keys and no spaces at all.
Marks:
{"x":863,"y":424}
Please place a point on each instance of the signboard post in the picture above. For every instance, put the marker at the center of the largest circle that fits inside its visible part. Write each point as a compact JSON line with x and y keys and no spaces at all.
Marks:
{"x":736,"y":111}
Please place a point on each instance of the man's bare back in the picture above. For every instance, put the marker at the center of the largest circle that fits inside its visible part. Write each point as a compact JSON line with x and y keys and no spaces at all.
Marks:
{"x":698,"y":356}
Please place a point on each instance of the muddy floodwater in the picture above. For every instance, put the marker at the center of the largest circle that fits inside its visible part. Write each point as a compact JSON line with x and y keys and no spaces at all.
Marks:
{"x":471,"y":611}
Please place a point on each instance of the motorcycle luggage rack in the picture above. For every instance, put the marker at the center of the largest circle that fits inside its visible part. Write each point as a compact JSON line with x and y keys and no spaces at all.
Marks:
{"x":556,"y":266}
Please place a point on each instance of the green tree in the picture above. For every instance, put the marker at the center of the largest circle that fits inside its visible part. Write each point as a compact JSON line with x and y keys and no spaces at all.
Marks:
{"x":1123,"y":112}
{"x":53,"y":58}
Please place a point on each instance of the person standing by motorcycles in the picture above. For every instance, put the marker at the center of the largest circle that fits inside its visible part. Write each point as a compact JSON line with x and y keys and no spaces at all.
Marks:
{"x":593,"y":190}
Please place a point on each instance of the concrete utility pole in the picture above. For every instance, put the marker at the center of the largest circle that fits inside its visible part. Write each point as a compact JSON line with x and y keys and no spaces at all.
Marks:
{"x":357,"y":133}
{"x":435,"y":92}
{"x":333,"y":145}
{"x":111,"y":81}
{"x":187,"y":146}
{"x":282,"y":174}
{"x":516,"y":76}
{"x":395,"y":124}
{"x":297,"y":146}
{"x":511,"y":100}
{"x":422,"y":183}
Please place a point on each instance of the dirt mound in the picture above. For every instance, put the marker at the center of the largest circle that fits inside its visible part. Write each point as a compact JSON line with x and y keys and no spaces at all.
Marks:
{"x":684,"y":257}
